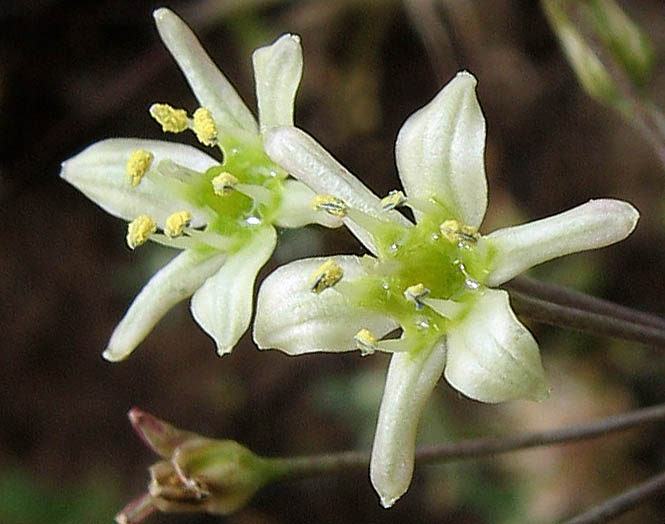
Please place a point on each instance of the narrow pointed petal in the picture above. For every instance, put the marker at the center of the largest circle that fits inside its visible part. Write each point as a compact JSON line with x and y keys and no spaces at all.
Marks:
{"x":598,"y":223}
{"x":440,"y":151}
{"x":277,"y":74}
{"x":302,"y":156}
{"x":492,"y":357}
{"x":410,"y":382}
{"x":99,"y":173}
{"x":210,"y":86}
{"x":223,"y":305}
{"x":290,"y":317}
{"x":173,"y":283}
{"x":296,"y":208}
{"x":160,"y":436}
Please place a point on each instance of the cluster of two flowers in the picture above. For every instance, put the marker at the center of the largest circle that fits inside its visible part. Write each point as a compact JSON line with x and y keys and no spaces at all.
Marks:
{"x":434,"y":279}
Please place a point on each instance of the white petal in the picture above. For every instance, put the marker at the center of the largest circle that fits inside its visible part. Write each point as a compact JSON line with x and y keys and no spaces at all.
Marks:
{"x":99,"y":172}
{"x":492,"y":357}
{"x":411,"y":379}
{"x":223,"y":305}
{"x":440,"y":151}
{"x":210,"y":86}
{"x":303,"y":157}
{"x":277,"y":73}
{"x":296,"y":208}
{"x":292,"y":318}
{"x":174,"y":282}
{"x":596,"y":224}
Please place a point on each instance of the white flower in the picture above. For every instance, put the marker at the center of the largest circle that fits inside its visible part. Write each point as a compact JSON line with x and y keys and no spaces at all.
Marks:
{"x":222,"y":215}
{"x":434,"y":279}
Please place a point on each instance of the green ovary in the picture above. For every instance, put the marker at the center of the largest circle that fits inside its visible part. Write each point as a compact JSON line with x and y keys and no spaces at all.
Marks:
{"x":236,"y":214}
{"x":418,"y":255}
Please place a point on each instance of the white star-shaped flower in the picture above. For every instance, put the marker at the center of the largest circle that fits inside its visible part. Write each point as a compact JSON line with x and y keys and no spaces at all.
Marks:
{"x":435,"y":279}
{"x":221,"y":214}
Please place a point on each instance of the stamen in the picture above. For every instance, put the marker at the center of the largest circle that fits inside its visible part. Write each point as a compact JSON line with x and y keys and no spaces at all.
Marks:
{"x":205,"y":127}
{"x":137,"y":165}
{"x":446,"y":308}
{"x":176,"y":222}
{"x":224,"y":183}
{"x":456,"y":232}
{"x":171,"y":119}
{"x":415,"y":293}
{"x":366,"y":342}
{"x":326,"y":276}
{"x":139,"y":230}
{"x":330,"y":204}
{"x":392,"y":200}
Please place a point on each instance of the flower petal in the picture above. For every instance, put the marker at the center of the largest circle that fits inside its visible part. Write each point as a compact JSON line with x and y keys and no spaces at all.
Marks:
{"x":598,"y":223}
{"x":223,"y":304}
{"x":292,"y":318}
{"x":277,"y":73}
{"x":492,"y":357}
{"x":440,"y":151}
{"x":210,"y":86}
{"x":303,"y":157}
{"x":99,"y":172}
{"x":171,"y":284}
{"x":410,"y":382}
{"x":296,"y":208}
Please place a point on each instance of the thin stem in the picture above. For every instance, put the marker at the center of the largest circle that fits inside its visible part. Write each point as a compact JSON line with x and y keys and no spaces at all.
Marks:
{"x":300,"y":467}
{"x":568,"y":297}
{"x":585,"y":321}
{"x":621,"y":503}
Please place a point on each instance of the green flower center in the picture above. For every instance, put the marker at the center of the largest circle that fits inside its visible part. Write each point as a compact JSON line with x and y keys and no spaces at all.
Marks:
{"x":437,"y":259}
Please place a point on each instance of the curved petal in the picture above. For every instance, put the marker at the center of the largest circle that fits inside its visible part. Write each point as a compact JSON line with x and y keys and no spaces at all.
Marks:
{"x":492,"y":357}
{"x":277,"y":74}
{"x":598,"y":223}
{"x":410,"y":382}
{"x":223,"y":304}
{"x":291,"y":318}
{"x":210,"y":86}
{"x":296,"y":208}
{"x":99,"y":173}
{"x":440,"y":151}
{"x":174,"y":282}
{"x":303,"y":157}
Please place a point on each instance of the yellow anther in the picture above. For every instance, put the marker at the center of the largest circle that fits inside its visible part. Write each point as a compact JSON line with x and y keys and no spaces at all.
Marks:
{"x":224,"y":183}
{"x":392,"y":200}
{"x":330,"y":204}
{"x":326,"y":276}
{"x":366,"y":342}
{"x":415,"y":293}
{"x":139,"y":230}
{"x":176,"y":222}
{"x":455,"y":232}
{"x":205,"y":127}
{"x":171,"y":119}
{"x":137,"y":165}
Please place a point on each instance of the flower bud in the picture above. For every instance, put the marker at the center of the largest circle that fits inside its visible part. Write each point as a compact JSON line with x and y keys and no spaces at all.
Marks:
{"x":198,"y":474}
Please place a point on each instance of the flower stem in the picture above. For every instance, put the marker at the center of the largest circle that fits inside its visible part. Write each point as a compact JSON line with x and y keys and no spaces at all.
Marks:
{"x":622,"y":503}
{"x":302,"y":467}
{"x":560,"y":307}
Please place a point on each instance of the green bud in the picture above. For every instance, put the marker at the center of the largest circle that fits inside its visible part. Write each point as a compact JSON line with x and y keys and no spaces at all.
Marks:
{"x":590,"y":70}
{"x":623,"y":37}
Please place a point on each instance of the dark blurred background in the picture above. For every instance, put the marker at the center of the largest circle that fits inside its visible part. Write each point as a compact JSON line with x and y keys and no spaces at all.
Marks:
{"x":73,"y":72}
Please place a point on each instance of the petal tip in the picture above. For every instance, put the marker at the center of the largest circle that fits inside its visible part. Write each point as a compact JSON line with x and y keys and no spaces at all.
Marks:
{"x":161,"y":13}
{"x":113,"y":355}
